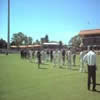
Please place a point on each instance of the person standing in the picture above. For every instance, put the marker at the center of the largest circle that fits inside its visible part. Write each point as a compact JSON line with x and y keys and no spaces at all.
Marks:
{"x":74,"y":55}
{"x":69,"y":54}
{"x":59,"y":58}
{"x":30,"y":55}
{"x":82,"y":67}
{"x":39,"y":58}
{"x":74,"y":58}
{"x":55,"y":57}
{"x":90,"y":58}
{"x":63,"y":56}
{"x":48,"y":55}
{"x":42,"y":56}
{"x":51,"y":55}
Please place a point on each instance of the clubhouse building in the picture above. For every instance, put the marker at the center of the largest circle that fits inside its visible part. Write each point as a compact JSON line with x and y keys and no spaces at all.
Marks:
{"x":90,"y":37}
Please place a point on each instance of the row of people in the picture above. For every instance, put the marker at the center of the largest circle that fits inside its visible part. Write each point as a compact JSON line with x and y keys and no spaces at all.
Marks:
{"x":53,"y":55}
{"x":58,"y":57}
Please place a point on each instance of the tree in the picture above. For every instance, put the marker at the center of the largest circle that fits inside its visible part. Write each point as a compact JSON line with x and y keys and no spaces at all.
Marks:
{"x":60,"y":44}
{"x":3,"y":43}
{"x":13,"y":43}
{"x":18,"y":38}
{"x":42,"y":40}
{"x":30,"y":40}
{"x":75,"y":41}
{"x":27,"y":40}
{"x":37,"y":42}
{"x":46,"y":38}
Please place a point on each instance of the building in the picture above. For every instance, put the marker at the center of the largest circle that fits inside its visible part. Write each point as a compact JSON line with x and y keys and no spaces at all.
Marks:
{"x":35,"y":47}
{"x":53,"y":45}
{"x":90,"y":37}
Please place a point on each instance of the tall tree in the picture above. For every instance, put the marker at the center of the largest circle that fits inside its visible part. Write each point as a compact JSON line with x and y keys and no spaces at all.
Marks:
{"x":75,"y":41}
{"x":46,"y":38}
{"x":60,"y":44}
{"x":27,"y":40}
{"x":3,"y":43}
{"x":12,"y":43}
{"x":30,"y":40}
{"x":37,"y":42}
{"x":18,"y":38}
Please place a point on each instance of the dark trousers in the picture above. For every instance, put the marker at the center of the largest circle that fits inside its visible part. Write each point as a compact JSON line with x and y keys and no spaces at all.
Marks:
{"x":39,"y":62}
{"x":63,"y":60}
{"x":92,"y":75}
{"x":51,"y":58}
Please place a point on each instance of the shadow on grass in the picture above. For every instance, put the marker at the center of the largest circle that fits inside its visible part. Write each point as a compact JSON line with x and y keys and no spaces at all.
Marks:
{"x":97,"y":83}
{"x":42,"y":68}
{"x":44,"y":64}
{"x":75,"y":69}
{"x":98,"y":91}
{"x":62,"y":67}
{"x":75,"y":65}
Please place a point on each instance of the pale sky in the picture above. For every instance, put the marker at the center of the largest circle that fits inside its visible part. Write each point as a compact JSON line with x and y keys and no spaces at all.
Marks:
{"x":60,"y":19}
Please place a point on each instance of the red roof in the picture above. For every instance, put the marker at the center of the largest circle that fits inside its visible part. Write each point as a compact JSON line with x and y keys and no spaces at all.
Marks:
{"x":89,"y":32}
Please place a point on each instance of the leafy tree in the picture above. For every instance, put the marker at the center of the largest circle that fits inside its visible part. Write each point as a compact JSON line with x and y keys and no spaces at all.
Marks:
{"x":60,"y":44}
{"x":13,"y":43}
{"x":30,"y":40}
{"x":37,"y":42}
{"x":46,"y":38}
{"x":75,"y":41}
{"x":42,"y":40}
{"x":3,"y":43}
{"x":18,"y":38}
{"x":27,"y":40}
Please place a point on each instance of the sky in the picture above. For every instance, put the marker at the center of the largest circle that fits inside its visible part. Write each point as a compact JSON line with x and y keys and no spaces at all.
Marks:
{"x":59,"y":19}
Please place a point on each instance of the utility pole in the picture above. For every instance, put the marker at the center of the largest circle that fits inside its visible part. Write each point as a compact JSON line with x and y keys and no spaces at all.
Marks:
{"x":8,"y":37}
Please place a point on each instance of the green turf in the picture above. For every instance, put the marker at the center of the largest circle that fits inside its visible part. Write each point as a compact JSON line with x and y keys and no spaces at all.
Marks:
{"x":22,"y":80}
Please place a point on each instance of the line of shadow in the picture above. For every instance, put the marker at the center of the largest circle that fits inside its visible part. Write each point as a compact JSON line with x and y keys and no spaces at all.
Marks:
{"x":44,"y":64}
{"x":97,"y":91}
{"x":62,"y":68}
{"x":75,"y":69}
{"x":97,"y":83}
{"x":42,"y":68}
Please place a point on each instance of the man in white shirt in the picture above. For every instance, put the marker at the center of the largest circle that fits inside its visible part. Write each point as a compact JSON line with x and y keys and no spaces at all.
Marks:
{"x":82,"y":67}
{"x":90,"y":58}
{"x":69,"y":55}
{"x":30,"y":55}
{"x":55,"y":57}
{"x":74,"y":56}
{"x":42,"y":56}
{"x":59,"y":58}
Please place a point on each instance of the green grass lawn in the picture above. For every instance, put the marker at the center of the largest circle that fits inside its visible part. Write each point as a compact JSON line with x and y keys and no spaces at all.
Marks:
{"x":22,"y":80}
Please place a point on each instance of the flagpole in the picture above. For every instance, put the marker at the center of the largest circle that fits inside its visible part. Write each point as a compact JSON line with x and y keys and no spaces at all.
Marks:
{"x":8,"y":38}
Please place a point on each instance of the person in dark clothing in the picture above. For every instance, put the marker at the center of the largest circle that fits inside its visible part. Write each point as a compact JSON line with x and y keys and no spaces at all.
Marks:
{"x":48,"y":55}
{"x":90,"y":58}
{"x":63,"y":56}
{"x":51,"y":55}
{"x":39,"y":58}
{"x":22,"y":54}
{"x":74,"y":59}
{"x":92,"y":75}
